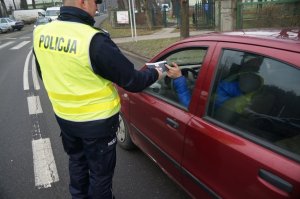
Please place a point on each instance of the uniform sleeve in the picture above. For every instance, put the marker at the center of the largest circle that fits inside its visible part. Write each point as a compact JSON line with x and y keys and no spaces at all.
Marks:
{"x":108,"y":61}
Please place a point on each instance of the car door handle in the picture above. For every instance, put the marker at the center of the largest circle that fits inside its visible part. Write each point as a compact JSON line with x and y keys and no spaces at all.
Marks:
{"x":275,"y":181}
{"x":172,"y":123}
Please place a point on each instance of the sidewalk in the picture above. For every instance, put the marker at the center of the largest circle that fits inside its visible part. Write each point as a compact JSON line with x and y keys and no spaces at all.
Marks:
{"x":163,"y":33}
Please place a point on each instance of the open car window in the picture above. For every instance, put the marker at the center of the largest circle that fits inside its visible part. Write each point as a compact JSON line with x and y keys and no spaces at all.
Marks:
{"x":189,"y":61}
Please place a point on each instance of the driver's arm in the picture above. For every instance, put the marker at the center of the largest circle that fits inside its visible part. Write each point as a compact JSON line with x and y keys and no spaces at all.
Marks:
{"x":179,"y":84}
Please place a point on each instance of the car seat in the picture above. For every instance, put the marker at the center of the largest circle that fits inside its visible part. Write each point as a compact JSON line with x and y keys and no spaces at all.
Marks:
{"x":230,"y":110}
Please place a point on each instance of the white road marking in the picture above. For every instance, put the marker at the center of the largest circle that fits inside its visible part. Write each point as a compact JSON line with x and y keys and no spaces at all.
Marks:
{"x":25,"y":38}
{"x":34,"y":75}
{"x":34,"y":105}
{"x":25,"y":72}
{"x":20,"y":45}
{"x":45,"y":171}
{"x":6,"y":44}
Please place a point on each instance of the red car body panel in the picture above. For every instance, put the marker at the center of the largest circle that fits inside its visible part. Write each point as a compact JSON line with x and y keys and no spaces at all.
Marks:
{"x":207,"y":158}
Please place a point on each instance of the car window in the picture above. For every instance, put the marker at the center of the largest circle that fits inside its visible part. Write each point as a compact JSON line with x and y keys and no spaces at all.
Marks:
{"x":190,"y":62}
{"x":9,"y":20}
{"x":258,"y":96}
{"x":3,"y":21}
{"x":52,"y":12}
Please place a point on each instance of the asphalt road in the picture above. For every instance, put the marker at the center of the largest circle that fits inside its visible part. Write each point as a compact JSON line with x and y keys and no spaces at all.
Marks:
{"x":136,"y":176}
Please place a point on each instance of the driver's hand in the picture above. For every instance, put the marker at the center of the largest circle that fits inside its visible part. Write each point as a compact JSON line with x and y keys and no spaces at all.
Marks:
{"x":173,"y":72}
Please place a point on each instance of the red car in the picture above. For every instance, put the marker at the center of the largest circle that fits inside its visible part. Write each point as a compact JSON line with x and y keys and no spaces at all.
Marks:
{"x":239,"y":137}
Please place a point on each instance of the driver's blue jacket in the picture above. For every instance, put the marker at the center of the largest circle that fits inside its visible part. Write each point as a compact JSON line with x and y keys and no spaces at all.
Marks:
{"x":183,"y":93}
{"x":225,"y":91}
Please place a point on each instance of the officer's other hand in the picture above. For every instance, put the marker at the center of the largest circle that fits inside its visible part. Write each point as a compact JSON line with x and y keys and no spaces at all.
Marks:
{"x":173,"y":71}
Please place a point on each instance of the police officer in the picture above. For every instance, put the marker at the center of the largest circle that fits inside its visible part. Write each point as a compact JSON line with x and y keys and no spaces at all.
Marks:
{"x":78,"y":65}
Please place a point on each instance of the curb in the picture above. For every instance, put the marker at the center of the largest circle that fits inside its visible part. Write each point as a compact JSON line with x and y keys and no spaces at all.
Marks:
{"x":141,"y":58}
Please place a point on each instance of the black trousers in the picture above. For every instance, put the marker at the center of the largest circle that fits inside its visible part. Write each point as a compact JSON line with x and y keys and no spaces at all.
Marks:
{"x":91,"y":166}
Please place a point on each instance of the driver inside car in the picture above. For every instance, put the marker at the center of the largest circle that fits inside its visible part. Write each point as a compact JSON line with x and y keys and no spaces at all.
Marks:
{"x":225,"y":91}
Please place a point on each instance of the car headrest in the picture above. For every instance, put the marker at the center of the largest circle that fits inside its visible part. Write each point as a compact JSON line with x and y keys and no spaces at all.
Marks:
{"x":249,"y":82}
{"x":252,"y":65}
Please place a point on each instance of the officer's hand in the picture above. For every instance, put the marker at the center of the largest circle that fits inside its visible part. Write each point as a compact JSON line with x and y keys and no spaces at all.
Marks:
{"x":173,"y":71}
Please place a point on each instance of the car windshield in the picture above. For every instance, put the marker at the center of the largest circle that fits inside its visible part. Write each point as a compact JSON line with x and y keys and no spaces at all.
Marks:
{"x":9,"y":20}
{"x":42,"y":20}
{"x":52,"y":12}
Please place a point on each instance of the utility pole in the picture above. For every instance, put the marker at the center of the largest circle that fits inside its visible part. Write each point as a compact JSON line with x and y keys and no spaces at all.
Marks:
{"x":184,"y":15}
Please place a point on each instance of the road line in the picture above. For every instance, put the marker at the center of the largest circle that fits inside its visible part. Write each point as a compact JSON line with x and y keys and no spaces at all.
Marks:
{"x":6,"y":44}
{"x":36,"y":84}
{"x":25,"y":37}
{"x":25,"y":72}
{"x":34,"y":105}
{"x":20,"y":45}
{"x":45,"y":171}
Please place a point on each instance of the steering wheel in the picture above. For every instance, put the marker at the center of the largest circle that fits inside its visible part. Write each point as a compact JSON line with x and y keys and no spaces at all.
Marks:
{"x":185,"y":72}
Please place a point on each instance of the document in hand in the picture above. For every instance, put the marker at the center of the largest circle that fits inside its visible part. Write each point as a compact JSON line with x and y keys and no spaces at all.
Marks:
{"x":160,"y":65}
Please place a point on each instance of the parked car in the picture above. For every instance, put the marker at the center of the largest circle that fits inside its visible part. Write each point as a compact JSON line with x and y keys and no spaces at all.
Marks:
{"x":14,"y":25}
{"x":52,"y":12}
{"x":41,"y":20}
{"x":165,"y":7}
{"x":247,"y":146}
{"x":4,"y":28}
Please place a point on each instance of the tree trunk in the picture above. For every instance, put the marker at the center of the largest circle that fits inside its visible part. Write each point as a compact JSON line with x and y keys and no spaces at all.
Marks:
{"x":24,"y":5}
{"x":148,"y":13}
{"x":138,"y":6}
{"x":121,"y":5}
{"x":184,"y":15}
{"x":33,"y":4}
{"x":4,"y":8}
{"x":15,"y":5}
{"x":174,"y":2}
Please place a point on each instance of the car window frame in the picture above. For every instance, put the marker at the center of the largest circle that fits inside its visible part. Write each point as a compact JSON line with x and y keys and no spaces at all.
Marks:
{"x":269,"y":52}
{"x":195,"y":95}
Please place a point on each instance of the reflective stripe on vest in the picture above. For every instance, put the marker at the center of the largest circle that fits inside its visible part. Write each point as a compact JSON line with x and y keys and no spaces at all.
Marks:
{"x":75,"y":91}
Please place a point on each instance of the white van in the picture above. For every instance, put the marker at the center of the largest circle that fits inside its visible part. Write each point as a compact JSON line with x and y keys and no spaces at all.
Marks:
{"x":28,"y":16}
{"x":52,"y":12}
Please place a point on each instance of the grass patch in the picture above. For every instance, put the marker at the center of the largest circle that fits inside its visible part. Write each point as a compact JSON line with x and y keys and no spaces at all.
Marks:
{"x":144,"y":48}
{"x":147,"y":48}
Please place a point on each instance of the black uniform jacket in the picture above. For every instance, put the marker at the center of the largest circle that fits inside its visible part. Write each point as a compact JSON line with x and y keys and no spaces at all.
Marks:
{"x":108,"y":62}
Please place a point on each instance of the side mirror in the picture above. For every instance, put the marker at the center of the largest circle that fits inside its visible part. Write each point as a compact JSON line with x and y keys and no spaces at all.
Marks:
{"x":41,"y":14}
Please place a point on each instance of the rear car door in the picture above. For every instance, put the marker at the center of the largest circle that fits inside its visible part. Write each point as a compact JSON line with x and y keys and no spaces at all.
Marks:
{"x":247,"y":146}
{"x":157,"y":119}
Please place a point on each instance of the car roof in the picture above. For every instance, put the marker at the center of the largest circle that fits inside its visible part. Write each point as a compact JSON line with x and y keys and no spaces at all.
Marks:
{"x":287,"y":39}
{"x":53,"y":8}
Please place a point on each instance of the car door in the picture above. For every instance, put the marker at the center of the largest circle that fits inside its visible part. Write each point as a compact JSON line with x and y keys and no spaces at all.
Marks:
{"x":246,"y":148}
{"x":157,"y":119}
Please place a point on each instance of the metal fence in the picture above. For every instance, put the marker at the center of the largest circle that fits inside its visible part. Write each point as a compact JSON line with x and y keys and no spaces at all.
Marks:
{"x":279,"y":13}
{"x":204,"y":14}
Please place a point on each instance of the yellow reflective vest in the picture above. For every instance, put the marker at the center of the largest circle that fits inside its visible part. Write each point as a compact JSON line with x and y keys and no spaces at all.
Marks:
{"x":75,"y":91}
